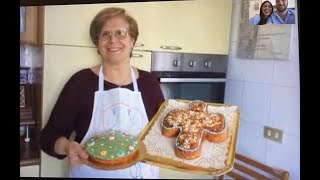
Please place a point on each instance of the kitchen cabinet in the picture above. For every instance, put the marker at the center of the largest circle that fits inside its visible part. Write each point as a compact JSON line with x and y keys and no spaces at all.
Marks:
{"x":69,"y":25}
{"x":30,"y":171}
{"x":141,"y":60}
{"x":29,"y":25}
{"x":200,"y":26}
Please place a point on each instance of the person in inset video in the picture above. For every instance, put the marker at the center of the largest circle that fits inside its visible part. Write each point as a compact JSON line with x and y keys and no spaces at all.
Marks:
{"x":283,"y":15}
{"x":263,"y":17}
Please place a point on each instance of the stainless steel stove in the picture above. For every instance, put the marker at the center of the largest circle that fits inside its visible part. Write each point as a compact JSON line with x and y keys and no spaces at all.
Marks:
{"x":190,"y":76}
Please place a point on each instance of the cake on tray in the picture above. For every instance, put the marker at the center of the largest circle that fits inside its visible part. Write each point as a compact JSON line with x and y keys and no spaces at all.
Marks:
{"x":193,"y":126}
{"x":112,"y":148}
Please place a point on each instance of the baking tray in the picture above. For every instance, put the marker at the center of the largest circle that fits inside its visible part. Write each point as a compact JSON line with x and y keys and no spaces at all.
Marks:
{"x":158,"y":158}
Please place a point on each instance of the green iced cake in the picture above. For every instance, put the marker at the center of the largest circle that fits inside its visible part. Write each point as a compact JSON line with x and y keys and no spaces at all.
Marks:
{"x":112,"y":147}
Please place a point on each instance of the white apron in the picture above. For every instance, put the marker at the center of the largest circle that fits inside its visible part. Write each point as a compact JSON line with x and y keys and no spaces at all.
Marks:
{"x":116,"y":109}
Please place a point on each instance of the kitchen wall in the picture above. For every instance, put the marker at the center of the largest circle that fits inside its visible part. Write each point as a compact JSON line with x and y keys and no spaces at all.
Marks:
{"x":267,"y":92}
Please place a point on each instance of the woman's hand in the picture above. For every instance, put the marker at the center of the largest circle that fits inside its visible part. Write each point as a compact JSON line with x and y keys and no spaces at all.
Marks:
{"x":76,"y":153}
{"x":72,"y":149}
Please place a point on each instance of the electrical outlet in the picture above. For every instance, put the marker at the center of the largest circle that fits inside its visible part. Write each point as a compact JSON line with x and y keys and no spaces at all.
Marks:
{"x":273,"y":134}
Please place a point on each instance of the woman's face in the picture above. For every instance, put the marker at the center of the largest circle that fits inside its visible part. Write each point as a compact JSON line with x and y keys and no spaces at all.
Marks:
{"x":266,"y":9}
{"x":115,"y":43}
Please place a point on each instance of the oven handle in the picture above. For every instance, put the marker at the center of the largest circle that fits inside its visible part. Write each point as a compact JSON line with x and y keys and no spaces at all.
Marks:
{"x":191,"y":80}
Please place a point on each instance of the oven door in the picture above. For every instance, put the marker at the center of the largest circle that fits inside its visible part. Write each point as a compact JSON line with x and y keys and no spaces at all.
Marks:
{"x":204,"y":89}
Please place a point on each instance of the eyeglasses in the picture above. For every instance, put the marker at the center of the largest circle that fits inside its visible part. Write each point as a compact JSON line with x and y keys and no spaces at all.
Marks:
{"x":119,"y":34}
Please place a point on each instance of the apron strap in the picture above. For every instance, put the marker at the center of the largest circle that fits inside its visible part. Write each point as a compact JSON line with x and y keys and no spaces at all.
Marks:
{"x":134,"y":80}
{"x":101,"y":80}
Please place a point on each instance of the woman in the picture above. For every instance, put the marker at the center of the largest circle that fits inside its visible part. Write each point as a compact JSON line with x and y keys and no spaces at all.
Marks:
{"x":114,"y":81}
{"x":266,"y":10}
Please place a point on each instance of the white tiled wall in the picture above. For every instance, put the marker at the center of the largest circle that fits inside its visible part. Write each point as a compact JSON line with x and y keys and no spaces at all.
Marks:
{"x":256,"y":103}
{"x":286,"y":73}
{"x":258,"y":71}
{"x":234,"y":91}
{"x":235,"y":69}
{"x":250,"y":141}
{"x":285,"y":110}
{"x":268,"y":94}
{"x":285,"y":155}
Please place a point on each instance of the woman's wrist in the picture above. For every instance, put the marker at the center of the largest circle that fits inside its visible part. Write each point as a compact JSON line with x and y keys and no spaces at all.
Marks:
{"x":61,"y":146}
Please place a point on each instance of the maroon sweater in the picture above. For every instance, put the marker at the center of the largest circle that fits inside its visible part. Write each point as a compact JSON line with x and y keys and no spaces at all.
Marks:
{"x":74,"y":106}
